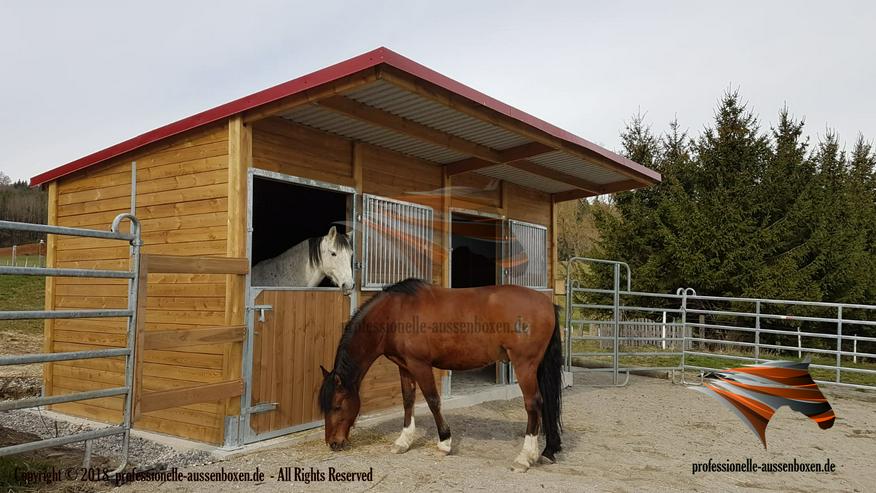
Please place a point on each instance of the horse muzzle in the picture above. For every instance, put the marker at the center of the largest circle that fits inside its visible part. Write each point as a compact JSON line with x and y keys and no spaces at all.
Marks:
{"x":338,"y":446}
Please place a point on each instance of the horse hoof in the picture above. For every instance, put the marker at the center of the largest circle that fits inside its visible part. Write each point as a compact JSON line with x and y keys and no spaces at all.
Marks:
{"x":397,"y":449}
{"x":519,"y":467}
{"x":444,"y":447}
{"x":544,"y":459}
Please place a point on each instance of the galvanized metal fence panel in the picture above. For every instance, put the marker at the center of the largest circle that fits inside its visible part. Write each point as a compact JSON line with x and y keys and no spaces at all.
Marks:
{"x":528,"y":255}
{"x":124,"y":428}
{"x":397,"y":239}
{"x":752,"y":330}
{"x":701,"y":330}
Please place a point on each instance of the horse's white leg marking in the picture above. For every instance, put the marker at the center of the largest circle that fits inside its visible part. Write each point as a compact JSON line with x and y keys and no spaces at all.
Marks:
{"x":444,"y":446}
{"x":528,"y":455}
{"x":404,"y":441}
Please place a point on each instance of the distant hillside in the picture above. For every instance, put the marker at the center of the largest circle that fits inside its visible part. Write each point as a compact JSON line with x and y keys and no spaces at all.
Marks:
{"x":18,"y":202}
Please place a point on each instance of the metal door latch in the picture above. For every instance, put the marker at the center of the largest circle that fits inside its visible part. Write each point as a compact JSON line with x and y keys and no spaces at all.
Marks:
{"x":263,"y":407}
{"x":262,"y":309}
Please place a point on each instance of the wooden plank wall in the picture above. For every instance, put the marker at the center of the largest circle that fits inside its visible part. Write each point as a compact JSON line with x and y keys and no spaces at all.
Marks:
{"x":298,"y":335}
{"x":182,"y":189}
{"x":283,"y":147}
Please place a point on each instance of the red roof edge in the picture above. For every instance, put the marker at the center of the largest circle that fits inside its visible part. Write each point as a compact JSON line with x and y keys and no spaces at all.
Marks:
{"x":323,"y":76}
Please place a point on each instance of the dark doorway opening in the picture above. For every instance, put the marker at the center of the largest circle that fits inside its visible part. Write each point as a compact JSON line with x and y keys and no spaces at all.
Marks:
{"x":476,"y":248}
{"x":476,"y":243}
{"x":285,"y":214}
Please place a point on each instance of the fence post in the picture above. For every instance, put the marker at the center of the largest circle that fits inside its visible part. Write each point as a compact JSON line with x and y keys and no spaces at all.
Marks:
{"x":839,"y":341}
{"x":14,"y":247}
{"x":684,"y":340}
{"x":568,"y":310}
{"x":799,"y":344}
{"x":616,"y":303}
{"x":854,"y":350}
{"x":757,"y":331}
{"x":663,"y":332}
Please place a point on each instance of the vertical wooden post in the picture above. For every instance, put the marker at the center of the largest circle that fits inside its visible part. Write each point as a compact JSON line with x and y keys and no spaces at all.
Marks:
{"x":503,"y":198}
{"x":49,"y":327}
{"x":358,"y":184}
{"x":239,"y":162}
{"x":446,"y":183}
{"x":554,"y":260}
{"x":358,"y":178}
{"x":142,"y":292}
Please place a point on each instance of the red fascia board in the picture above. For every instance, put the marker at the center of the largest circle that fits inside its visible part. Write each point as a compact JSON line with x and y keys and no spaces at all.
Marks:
{"x":324,"y":76}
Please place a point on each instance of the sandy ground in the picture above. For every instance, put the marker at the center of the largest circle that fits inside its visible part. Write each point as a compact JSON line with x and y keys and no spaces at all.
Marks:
{"x":644,"y":437}
{"x":18,"y":381}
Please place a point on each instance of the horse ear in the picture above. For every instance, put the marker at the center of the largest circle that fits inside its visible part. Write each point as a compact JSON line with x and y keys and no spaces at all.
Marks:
{"x":332,"y":233}
{"x":337,"y":380}
{"x":325,"y":372}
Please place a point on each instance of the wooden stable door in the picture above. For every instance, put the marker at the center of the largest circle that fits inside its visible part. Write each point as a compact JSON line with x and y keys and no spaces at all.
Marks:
{"x":299,"y":333}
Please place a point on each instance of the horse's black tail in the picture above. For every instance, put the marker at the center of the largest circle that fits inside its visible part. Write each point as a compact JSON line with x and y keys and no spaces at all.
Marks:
{"x":550,"y":386}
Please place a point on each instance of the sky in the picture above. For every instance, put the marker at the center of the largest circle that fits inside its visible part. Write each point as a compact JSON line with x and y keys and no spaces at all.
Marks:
{"x":76,"y":77}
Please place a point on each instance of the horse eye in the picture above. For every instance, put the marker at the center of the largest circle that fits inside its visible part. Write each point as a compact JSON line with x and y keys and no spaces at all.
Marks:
{"x":334,"y":254}
{"x":337,"y":408}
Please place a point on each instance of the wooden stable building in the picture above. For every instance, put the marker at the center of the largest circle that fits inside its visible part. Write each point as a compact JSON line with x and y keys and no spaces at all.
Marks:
{"x":408,"y":161}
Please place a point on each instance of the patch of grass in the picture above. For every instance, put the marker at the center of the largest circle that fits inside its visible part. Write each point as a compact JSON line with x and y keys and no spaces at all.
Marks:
{"x":11,"y":469}
{"x":22,"y":293}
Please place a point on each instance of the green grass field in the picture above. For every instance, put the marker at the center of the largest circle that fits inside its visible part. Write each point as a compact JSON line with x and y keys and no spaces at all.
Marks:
{"x":22,"y":293}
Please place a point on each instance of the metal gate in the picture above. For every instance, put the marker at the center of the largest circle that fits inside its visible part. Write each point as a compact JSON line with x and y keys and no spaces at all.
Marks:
{"x":128,"y":351}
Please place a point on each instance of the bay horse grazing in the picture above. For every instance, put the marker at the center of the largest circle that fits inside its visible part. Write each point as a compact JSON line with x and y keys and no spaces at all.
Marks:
{"x":419,"y":326}
{"x":309,"y":262}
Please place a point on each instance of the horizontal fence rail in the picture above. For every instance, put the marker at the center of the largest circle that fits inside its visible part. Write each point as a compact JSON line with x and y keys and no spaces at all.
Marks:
{"x":619,"y":331}
{"x":115,"y":233}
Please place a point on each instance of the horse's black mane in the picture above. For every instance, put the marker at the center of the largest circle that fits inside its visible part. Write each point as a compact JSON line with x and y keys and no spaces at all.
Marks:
{"x":342,"y":242}
{"x":345,"y":368}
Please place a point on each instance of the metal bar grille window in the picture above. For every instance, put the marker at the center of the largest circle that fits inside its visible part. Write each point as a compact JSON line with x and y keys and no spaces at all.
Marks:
{"x":527,"y":262}
{"x":397,"y":240}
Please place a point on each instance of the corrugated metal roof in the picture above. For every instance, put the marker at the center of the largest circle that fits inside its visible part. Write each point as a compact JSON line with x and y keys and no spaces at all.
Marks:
{"x":524,"y":178}
{"x":400,"y":102}
{"x":323,"y":119}
{"x":405,"y":104}
{"x":575,"y":166}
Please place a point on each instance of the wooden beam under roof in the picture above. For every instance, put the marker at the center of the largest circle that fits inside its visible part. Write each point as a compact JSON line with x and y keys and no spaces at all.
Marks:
{"x":618,"y":186}
{"x":523,"y":151}
{"x":411,"y":128}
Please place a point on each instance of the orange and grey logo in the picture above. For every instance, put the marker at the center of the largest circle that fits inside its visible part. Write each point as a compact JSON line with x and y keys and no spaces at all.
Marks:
{"x":755,"y":392}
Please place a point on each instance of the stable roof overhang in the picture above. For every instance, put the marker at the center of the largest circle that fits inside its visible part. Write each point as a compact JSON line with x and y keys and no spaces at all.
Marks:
{"x":390,"y":101}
